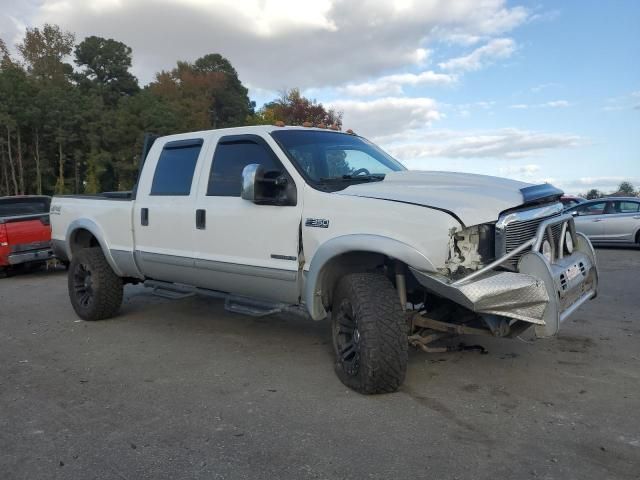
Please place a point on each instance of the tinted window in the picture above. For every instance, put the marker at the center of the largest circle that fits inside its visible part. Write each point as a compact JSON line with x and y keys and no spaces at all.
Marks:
{"x":174,"y":171}
{"x":225,"y":179}
{"x":13,"y":207}
{"x":591,"y":208}
{"x":626,"y":207}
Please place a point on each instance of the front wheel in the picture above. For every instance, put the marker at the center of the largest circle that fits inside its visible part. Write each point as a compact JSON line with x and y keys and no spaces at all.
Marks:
{"x":369,"y":334}
{"x":94,"y":289}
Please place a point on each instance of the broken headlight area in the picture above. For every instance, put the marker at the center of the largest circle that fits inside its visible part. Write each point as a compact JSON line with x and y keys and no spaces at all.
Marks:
{"x":470,"y":249}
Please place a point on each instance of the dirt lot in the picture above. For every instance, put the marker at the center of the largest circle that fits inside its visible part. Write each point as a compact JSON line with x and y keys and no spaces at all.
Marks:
{"x":182,"y":389}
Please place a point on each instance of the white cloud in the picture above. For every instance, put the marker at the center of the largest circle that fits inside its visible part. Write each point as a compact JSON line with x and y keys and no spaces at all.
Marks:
{"x":551,"y":104}
{"x":486,"y":26}
{"x":557,"y":103}
{"x":466,"y":110}
{"x":606,"y":184}
{"x":543,"y":86}
{"x":13,"y":22}
{"x":506,"y":143}
{"x":528,"y":170}
{"x":623,"y":102}
{"x":276,"y":44}
{"x":387,"y":116}
{"x":498,"y":48}
{"x":546,"y":16}
{"x":393,"y":84}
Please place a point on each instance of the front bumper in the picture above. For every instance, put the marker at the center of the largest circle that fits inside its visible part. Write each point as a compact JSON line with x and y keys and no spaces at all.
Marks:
{"x":541,"y":292}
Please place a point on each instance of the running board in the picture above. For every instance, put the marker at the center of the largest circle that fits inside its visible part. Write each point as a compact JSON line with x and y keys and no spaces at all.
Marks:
{"x":251,"y":307}
{"x":171,"y":291}
{"x":232,"y":303}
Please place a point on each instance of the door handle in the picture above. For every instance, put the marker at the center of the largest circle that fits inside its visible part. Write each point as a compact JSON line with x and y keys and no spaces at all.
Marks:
{"x":201,"y":219}
{"x":597,"y":220}
{"x":144,"y":216}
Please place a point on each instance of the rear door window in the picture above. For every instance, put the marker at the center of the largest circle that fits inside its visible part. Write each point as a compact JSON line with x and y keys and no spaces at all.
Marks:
{"x":627,"y":207}
{"x":174,"y":171}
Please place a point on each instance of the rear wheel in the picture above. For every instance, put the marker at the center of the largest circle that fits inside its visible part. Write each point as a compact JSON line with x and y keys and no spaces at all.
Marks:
{"x":94,"y":289}
{"x":369,"y":334}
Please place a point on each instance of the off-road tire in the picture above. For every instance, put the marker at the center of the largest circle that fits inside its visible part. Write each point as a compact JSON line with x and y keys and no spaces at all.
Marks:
{"x":105,"y":287}
{"x":381,"y":333}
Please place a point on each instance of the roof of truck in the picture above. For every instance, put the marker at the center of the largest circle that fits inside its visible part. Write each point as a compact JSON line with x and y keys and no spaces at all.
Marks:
{"x":255,"y":129}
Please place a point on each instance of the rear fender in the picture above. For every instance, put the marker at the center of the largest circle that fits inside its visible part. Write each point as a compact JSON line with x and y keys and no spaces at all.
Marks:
{"x":96,"y":231}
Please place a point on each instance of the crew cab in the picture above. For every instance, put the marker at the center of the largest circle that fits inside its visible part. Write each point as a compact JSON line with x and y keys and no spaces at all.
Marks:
{"x":25,"y":233}
{"x":327,"y":225}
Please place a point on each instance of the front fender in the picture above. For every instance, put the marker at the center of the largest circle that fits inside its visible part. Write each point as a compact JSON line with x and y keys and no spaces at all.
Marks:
{"x":312,"y":293}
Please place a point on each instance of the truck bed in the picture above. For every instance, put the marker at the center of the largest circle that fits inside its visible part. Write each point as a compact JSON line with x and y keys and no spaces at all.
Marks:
{"x":107,"y":216}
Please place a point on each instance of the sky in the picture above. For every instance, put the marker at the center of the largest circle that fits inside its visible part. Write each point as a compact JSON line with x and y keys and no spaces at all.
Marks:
{"x":539,"y":91}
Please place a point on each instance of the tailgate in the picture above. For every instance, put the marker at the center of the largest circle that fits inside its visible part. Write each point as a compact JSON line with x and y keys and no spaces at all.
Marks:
{"x":28,"y":233}
{"x":26,"y":222}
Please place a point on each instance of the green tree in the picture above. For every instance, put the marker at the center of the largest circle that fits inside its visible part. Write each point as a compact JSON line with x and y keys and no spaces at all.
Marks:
{"x":231,"y":105}
{"x":16,"y":97}
{"x":4,"y":54}
{"x":294,"y":109}
{"x":626,"y":188}
{"x":106,"y":65}
{"x":593,"y":194}
{"x":205,"y":94}
{"x":43,"y":51}
{"x":63,"y":109}
{"x":123,"y":134}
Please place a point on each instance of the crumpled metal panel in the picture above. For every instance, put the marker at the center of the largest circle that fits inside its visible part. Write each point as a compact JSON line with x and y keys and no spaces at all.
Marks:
{"x":513,"y":295}
{"x":508,"y":294}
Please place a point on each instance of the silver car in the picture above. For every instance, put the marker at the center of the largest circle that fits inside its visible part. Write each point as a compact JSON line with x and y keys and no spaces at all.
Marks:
{"x":609,"y":220}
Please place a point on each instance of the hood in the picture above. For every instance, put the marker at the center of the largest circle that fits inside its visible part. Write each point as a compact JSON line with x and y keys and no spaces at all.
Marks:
{"x":473,"y":199}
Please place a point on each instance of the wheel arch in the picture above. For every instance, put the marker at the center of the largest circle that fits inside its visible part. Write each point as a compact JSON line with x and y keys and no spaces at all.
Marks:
{"x":351,"y":254}
{"x":84,"y":233}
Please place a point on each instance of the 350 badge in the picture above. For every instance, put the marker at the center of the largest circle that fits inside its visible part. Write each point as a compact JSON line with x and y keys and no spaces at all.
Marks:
{"x":317,"y":222}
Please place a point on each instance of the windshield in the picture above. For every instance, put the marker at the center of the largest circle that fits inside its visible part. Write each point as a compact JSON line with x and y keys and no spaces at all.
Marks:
{"x":329,"y":158}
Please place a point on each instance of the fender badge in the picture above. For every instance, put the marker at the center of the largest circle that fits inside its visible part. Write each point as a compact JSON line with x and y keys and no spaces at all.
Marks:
{"x":317,"y":222}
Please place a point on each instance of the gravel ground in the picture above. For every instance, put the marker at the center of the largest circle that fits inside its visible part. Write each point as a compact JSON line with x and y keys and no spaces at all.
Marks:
{"x":174,"y":389}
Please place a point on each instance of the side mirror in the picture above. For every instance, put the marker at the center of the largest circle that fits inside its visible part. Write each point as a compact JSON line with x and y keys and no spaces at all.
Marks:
{"x":266,"y":188}
{"x":574,"y":213}
{"x":250,"y":175}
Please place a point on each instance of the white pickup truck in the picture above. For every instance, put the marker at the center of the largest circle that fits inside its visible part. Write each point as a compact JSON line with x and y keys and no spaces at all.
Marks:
{"x":326,"y":224}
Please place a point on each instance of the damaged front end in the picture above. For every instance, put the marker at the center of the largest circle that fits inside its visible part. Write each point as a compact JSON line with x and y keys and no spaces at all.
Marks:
{"x":469,"y":249}
{"x":530,"y":268}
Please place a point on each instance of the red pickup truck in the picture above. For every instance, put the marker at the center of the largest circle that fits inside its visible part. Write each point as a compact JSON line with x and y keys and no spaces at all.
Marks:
{"x":25,"y":232}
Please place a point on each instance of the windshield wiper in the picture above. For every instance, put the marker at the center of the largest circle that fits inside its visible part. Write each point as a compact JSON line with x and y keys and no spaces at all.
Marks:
{"x":374,"y":177}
